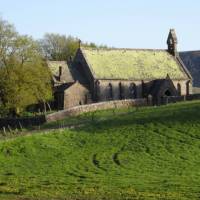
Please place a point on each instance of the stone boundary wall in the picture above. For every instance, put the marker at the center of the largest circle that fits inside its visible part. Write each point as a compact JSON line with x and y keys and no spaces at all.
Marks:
{"x":193,"y":97}
{"x":172,"y":99}
{"x":175,"y":99}
{"x":38,"y":120}
{"x":21,"y":122}
{"x":96,"y":106}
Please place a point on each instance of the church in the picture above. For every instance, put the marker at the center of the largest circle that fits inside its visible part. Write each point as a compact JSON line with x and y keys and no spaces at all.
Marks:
{"x":96,"y":75}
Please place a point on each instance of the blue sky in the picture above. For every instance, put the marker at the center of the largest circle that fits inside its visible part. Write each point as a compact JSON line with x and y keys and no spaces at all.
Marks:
{"x":118,"y":23}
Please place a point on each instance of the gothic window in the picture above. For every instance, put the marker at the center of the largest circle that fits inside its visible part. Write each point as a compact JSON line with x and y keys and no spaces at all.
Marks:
{"x":133,"y":91}
{"x":143,"y":89}
{"x":121,"y":91}
{"x":110,"y":92}
{"x":188,"y":88}
{"x":179,"y":89}
{"x":97,"y":90}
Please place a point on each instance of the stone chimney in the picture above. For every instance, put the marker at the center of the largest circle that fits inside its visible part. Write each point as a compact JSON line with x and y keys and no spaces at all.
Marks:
{"x":172,"y":43}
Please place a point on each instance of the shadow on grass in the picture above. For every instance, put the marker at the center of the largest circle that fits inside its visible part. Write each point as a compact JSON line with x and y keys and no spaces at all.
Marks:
{"x":161,"y":115}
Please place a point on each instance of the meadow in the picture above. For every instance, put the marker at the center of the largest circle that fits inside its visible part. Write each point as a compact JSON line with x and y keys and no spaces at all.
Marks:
{"x":140,"y":153}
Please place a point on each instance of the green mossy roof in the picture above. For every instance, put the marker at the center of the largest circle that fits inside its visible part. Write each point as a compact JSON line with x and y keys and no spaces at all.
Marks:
{"x":132,"y":64}
{"x":54,"y":68}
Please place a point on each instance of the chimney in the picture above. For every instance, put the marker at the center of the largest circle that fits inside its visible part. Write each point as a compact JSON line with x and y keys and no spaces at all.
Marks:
{"x":172,"y":43}
{"x":60,"y":72}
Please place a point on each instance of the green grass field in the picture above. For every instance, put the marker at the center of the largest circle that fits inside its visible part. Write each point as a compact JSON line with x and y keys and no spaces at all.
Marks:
{"x":143,"y":154}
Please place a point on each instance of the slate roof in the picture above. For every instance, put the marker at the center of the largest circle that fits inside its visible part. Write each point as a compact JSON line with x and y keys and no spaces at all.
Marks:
{"x":191,"y":59}
{"x":67,"y":76}
{"x":70,"y":73}
{"x":132,"y":64}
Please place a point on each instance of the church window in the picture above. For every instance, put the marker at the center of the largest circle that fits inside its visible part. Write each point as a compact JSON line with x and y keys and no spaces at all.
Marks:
{"x":121,"y":91}
{"x":110,"y":92}
{"x":179,"y":89}
{"x":97,"y":86}
{"x":133,"y":91}
{"x":188,"y":88}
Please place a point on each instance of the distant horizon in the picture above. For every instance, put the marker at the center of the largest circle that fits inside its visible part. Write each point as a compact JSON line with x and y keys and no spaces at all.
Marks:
{"x":127,"y":24}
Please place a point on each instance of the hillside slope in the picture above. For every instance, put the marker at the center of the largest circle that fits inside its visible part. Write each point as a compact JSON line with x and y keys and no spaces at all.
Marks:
{"x":191,"y":60}
{"x":150,"y":153}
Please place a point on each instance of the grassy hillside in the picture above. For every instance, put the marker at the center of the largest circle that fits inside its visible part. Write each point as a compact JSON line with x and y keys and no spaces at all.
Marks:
{"x":150,"y":153}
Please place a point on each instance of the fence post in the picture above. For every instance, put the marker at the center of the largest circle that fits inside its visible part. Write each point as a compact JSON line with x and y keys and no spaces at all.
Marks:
{"x":4,"y":130}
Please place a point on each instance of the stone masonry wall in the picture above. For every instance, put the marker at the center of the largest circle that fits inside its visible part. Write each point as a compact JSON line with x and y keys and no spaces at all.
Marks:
{"x":76,"y":95}
{"x":94,"y":107}
{"x":104,"y":89}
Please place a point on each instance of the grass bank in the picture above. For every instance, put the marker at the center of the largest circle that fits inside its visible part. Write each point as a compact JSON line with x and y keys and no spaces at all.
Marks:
{"x":150,"y":153}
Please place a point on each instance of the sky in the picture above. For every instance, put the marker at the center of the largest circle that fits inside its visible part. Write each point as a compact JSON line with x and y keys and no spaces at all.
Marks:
{"x":116,"y":23}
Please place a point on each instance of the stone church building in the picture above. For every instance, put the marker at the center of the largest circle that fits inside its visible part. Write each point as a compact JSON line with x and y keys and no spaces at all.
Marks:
{"x":96,"y":75}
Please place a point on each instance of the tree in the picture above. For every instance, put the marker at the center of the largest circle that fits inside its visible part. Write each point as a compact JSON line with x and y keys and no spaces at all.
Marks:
{"x":58,"y":47}
{"x":24,"y":76}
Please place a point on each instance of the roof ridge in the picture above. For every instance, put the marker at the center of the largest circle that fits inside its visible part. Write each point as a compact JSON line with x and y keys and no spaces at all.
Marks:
{"x":128,"y":49}
{"x":192,"y":51}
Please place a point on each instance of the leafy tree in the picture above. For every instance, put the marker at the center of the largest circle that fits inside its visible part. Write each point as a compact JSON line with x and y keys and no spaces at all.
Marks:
{"x":58,"y":47}
{"x":24,"y":76}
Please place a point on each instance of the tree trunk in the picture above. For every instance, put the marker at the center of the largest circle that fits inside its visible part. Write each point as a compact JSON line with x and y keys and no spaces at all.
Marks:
{"x":49,"y":106}
{"x":45,"y":108}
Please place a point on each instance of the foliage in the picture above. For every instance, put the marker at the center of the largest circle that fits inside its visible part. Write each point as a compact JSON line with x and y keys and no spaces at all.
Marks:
{"x":148,"y":153}
{"x":25,"y":79}
{"x":62,"y":48}
{"x":58,"y":47}
{"x":132,"y":64}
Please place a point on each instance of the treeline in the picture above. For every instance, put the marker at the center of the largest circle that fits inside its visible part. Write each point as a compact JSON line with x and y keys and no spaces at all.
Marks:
{"x":24,"y":76}
{"x":60,"y":47}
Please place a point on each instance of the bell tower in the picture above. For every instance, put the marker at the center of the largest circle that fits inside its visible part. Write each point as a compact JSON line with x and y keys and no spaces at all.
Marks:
{"x":172,"y":43}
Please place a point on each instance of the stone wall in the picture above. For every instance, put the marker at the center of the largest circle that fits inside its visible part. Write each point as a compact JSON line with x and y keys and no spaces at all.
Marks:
{"x":175,"y":99}
{"x":193,"y":97}
{"x":76,"y":95}
{"x":104,"y":93}
{"x":94,"y":107}
{"x":183,"y":84}
{"x":104,"y":87}
{"x":172,"y":99}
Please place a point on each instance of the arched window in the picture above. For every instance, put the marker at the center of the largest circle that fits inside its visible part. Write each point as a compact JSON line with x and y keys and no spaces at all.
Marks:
{"x":167,"y":93}
{"x":188,"y":88}
{"x":179,"y":89}
{"x":143,"y":89}
{"x":133,"y":91}
{"x":98,"y":91}
{"x":121,"y":91}
{"x":110,"y":92}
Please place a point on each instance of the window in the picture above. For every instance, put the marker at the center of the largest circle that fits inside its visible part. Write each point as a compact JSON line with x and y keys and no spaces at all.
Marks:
{"x":110,"y":92}
{"x":179,"y":89}
{"x":98,"y":91}
{"x":133,"y":91}
{"x":121,"y":91}
{"x":188,"y":88}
